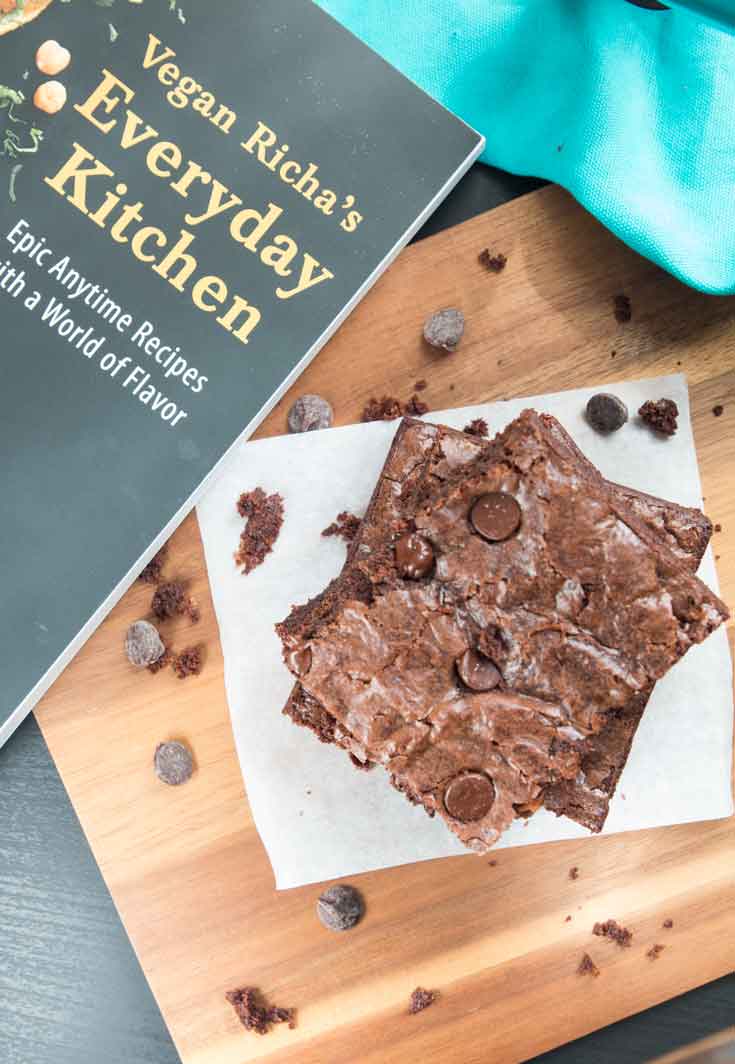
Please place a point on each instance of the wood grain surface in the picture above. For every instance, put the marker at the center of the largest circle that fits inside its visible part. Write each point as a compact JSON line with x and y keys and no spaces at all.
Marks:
{"x":186,"y":867}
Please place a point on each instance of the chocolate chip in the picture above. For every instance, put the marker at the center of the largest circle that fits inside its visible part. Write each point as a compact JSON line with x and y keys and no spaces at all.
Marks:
{"x":299,"y":661}
{"x":173,"y":763}
{"x":495,"y":516}
{"x":477,"y":672}
{"x":143,"y":644}
{"x":444,"y":329}
{"x":340,"y":907}
{"x":469,"y":797}
{"x":606,"y":412}
{"x":308,"y":413}
{"x":414,"y":556}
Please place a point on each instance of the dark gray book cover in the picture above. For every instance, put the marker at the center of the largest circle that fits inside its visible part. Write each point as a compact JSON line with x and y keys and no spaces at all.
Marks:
{"x":192,"y":198}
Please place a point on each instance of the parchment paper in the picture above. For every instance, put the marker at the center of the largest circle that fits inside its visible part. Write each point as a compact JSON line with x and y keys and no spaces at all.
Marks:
{"x":318,"y":817}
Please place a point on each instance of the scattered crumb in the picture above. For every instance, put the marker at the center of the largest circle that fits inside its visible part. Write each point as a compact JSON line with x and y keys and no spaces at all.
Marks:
{"x":385,"y":409}
{"x":421,"y":385}
{"x":494,"y":263}
{"x":655,"y":950}
{"x":611,"y":929}
{"x":164,"y":660}
{"x":346,"y":527}
{"x":613,"y":354}
{"x":254,"y":1014}
{"x":152,"y":572}
{"x":660,"y":415}
{"x":574,"y":873}
{"x":477,"y":427}
{"x":718,"y":410}
{"x":717,"y":557}
{"x":559,"y":147}
{"x":718,"y":527}
{"x":492,"y":863}
{"x":188,"y":662}
{"x":567,"y":919}
{"x":389,"y":408}
{"x":587,"y":966}
{"x":421,"y":999}
{"x":265,"y":517}
{"x":451,"y":387}
{"x":169,"y":600}
{"x":668,"y":923}
{"x":679,"y":362}
{"x":622,"y":309}
{"x":415,"y":407}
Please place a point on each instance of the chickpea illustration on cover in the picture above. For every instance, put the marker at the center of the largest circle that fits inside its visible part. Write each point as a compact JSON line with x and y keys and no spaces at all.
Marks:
{"x":189,"y":207}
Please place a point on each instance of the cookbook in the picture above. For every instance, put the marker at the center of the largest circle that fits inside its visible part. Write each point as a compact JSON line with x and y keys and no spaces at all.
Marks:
{"x":192,"y":199}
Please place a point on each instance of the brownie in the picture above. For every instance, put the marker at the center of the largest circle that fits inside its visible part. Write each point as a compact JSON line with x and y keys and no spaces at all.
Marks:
{"x":424,"y":453}
{"x":578,"y":772}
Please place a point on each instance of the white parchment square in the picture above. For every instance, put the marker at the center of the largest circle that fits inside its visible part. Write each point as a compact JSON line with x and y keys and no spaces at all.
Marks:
{"x":317,"y":816}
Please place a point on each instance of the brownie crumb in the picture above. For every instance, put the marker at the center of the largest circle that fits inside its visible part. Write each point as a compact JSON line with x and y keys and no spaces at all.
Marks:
{"x":162,"y":663}
{"x":611,"y":929}
{"x":718,"y":410}
{"x":152,"y":572}
{"x":718,"y":527}
{"x":655,"y":950}
{"x":669,"y":923}
{"x":265,"y":518}
{"x":169,"y":600}
{"x":567,"y":919}
{"x":587,"y":966}
{"x":421,"y":999}
{"x":660,"y":415}
{"x":574,"y":873}
{"x":494,"y":263}
{"x":346,"y":527}
{"x":415,"y":407}
{"x":386,"y":409}
{"x":254,"y":1014}
{"x":188,"y":662}
{"x":389,"y":408}
{"x":622,"y":309}
{"x":477,"y":427}
{"x":492,"y":863}
{"x":421,"y":385}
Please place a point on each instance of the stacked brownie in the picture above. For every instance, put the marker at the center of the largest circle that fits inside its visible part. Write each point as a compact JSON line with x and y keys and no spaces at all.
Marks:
{"x":498,"y":626}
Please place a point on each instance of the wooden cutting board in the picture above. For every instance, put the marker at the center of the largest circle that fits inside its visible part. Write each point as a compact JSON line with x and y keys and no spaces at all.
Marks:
{"x":186,"y":867}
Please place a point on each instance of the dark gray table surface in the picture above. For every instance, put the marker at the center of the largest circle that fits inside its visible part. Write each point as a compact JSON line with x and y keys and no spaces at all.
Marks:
{"x":71,"y":989}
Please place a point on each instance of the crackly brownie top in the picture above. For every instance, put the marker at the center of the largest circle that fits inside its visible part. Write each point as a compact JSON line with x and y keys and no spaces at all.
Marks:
{"x":570,"y":594}
{"x":461,"y":651}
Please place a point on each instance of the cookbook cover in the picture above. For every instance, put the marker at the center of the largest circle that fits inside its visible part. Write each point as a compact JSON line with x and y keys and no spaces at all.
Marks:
{"x":192,"y":198}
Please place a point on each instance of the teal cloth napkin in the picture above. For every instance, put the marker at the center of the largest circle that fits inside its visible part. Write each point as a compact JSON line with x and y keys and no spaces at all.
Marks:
{"x":631,"y":110}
